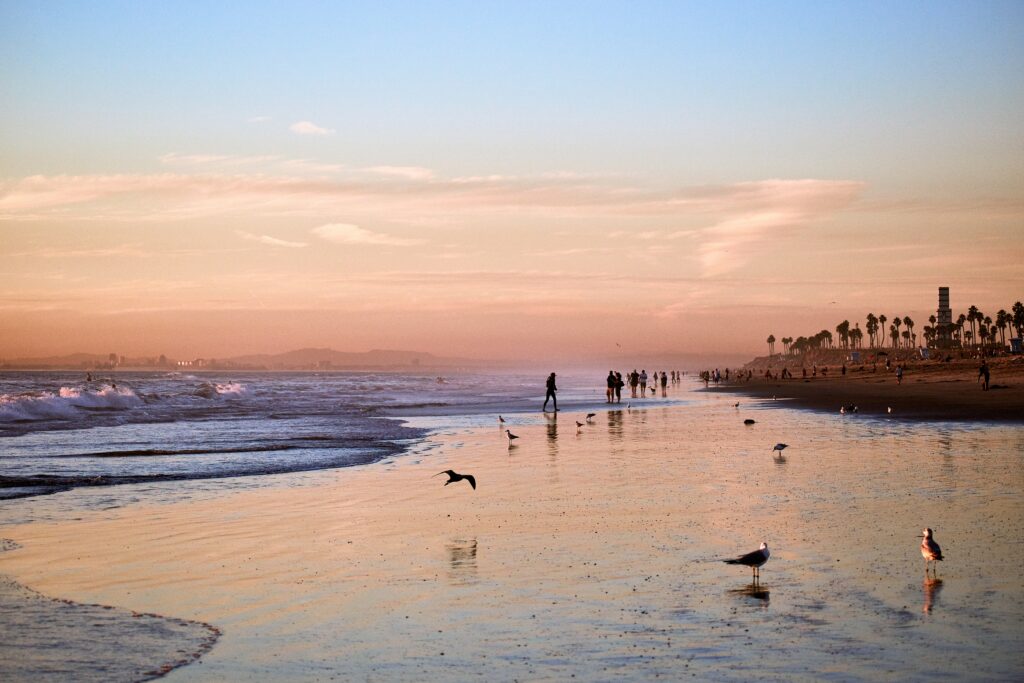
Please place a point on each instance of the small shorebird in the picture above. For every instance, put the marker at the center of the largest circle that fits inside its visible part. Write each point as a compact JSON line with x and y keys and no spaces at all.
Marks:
{"x":755,"y":560}
{"x":930,"y":550}
{"x":591,"y":416}
{"x":501,"y":420}
{"x":736,"y":405}
{"x":780,"y":447}
{"x":511,"y":437}
{"x":579,"y":426}
{"x":454,"y":476}
{"x":748,"y":421}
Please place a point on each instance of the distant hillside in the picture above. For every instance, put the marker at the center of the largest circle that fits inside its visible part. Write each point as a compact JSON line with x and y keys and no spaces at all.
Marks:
{"x":331,"y":359}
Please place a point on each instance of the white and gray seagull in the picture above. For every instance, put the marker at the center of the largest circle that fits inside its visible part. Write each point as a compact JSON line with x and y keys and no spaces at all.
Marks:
{"x":754,"y":559}
{"x":930,"y":550}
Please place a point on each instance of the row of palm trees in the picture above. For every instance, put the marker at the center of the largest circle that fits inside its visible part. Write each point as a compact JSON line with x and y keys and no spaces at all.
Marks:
{"x":983,"y":330}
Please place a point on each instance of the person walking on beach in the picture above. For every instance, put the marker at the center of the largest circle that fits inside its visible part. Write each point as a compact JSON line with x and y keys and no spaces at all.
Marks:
{"x":899,"y":374}
{"x":618,"y":387}
{"x":983,"y":374}
{"x":610,"y":391}
{"x":643,"y":383}
{"x":551,"y":393}
{"x":634,"y":380}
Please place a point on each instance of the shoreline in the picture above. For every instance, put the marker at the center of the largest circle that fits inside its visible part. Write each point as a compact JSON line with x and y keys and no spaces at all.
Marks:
{"x":929,"y":391}
{"x":557,"y":565}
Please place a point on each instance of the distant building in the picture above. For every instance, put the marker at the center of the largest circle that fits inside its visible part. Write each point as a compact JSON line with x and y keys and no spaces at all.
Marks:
{"x":944,"y":319}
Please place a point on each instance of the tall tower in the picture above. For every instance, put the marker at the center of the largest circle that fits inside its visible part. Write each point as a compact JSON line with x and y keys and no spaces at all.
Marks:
{"x":944,"y":321}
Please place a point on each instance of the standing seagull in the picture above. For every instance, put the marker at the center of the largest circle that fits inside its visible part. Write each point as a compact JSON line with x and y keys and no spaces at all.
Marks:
{"x":511,"y":437}
{"x":454,"y":476}
{"x":755,"y":560}
{"x":930,"y":550}
{"x":501,"y":420}
{"x":579,"y":426}
{"x":780,"y":447}
{"x":591,"y":416}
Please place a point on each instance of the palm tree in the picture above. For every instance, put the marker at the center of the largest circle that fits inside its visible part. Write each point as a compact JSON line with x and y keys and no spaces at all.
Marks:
{"x":881,"y":323}
{"x":843,"y":330}
{"x":960,"y":326}
{"x":857,"y":336}
{"x":771,"y":344}
{"x":910,"y":325}
{"x":896,"y":321}
{"x":1002,"y":320}
{"x":872,"y":328}
{"x":1018,"y":318}
{"x":894,"y":335}
{"x":972,"y":315}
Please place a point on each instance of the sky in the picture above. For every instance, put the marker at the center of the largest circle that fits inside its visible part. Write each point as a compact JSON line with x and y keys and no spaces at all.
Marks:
{"x":504,"y":180}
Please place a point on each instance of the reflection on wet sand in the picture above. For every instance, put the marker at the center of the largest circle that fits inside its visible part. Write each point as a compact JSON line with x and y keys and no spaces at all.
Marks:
{"x":932,"y":588}
{"x":754,"y":590}
{"x":779,"y":459}
{"x":462,"y":561}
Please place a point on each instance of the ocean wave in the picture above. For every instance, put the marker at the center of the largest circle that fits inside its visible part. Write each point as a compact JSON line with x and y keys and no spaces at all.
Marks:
{"x":64,"y":404}
{"x":216,"y":389}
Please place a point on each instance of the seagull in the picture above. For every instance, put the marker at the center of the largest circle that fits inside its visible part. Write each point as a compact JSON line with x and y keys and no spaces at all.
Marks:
{"x":579,"y":425}
{"x":780,"y":447}
{"x":748,"y":421}
{"x":930,"y":550}
{"x":755,"y":560}
{"x":590,"y":416}
{"x":510,"y":436}
{"x":454,"y":476}
{"x":501,"y":420}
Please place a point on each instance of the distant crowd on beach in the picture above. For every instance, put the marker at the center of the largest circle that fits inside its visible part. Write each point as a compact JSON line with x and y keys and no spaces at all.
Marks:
{"x":640,"y":383}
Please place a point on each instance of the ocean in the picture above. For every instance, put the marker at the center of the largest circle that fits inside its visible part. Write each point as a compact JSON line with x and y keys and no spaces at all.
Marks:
{"x":59,"y":431}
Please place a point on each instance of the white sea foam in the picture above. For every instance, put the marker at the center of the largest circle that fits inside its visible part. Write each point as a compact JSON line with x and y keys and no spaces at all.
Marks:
{"x":65,"y":404}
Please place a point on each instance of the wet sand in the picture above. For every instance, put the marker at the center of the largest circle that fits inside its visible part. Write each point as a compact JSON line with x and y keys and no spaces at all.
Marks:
{"x":591,"y":556}
{"x":933,"y":391}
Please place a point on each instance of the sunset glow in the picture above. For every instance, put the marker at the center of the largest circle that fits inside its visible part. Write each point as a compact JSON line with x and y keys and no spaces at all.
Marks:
{"x":501,"y":181}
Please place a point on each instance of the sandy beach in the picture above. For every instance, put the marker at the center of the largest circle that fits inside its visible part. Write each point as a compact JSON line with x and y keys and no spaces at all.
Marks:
{"x":591,"y":555}
{"x":930,"y":390}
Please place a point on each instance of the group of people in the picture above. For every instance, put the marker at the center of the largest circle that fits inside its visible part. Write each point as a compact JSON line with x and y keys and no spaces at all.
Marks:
{"x":638,"y":384}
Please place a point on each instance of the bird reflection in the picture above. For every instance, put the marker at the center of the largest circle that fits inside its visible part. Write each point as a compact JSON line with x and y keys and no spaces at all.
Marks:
{"x":462,"y":561}
{"x":754,"y":590}
{"x":779,"y":459}
{"x":932,"y":587}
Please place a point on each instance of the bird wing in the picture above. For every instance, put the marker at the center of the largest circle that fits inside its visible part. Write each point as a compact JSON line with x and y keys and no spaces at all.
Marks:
{"x":471,"y":479}
{"x":750,"y":558}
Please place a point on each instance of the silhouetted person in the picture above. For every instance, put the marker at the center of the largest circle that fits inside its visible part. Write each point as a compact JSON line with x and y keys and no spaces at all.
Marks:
{"x":552,"y":389}
{"x":984,"y":374}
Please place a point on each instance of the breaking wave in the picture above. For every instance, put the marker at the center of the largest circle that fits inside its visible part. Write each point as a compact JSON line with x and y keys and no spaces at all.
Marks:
{"x":64,"y":404}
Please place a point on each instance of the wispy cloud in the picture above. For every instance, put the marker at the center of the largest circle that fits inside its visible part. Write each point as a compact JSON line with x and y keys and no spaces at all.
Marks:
{"x":346,"y":233}
{"x":309,"y":128}
{"x":258,"y":119}
{"x":271,"y":241}
{"x":406,"y":172}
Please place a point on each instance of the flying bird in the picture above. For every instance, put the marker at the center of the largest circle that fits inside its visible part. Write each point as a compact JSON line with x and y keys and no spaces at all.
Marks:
{"x":930,"y":550}
{"x":780,"y":447}
{"x":755,"y":560}
{"x":748,"y":421}
{"x":454,"y":476}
